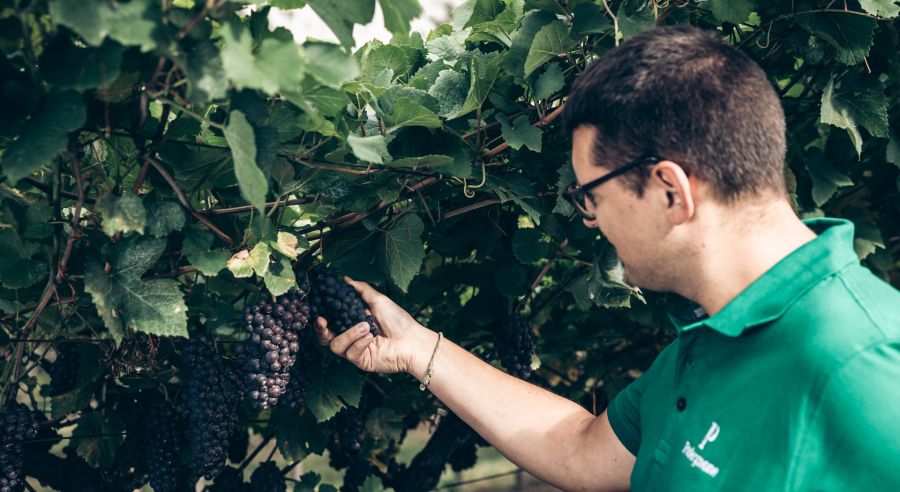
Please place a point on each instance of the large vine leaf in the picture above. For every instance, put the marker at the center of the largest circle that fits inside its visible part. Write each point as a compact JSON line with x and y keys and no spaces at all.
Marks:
{"x":881,"y":8}
{"x":330,"y":64}
{"x":340,"y":15}
{"x":133,"y":23}
{"x":850,"y":35}
{"x":44,"y":136}
{"x":124,"y":301}
{"x":341,"y":382}
{"x":551,"y":41}
{"x":853,"y":102}
{"x":277,"y":65}
{"x":124,"y":213}
{"x":733,"y":11}
{"x":398,"y":14}
{"x":369,"y":149}
{"x":520,"y":133}
{"x":241,"y":140}
{"x":402,"y":250}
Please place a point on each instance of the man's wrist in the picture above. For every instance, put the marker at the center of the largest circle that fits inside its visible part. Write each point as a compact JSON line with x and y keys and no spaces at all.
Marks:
{"x":423,"y":344}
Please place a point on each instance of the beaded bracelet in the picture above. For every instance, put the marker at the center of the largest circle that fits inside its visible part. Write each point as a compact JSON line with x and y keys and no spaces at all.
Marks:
{"x":430,"y":371}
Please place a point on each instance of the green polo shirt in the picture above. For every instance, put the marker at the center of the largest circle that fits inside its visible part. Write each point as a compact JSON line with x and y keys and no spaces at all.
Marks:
{"x":794,"y":385}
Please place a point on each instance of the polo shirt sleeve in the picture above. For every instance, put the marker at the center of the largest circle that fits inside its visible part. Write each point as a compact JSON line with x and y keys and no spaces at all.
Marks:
{"x":853,"y":442}
{"x":624,"y":410}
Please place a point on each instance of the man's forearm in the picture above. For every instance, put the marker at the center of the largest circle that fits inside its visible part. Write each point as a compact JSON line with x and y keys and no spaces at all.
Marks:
{"x":541,"y":432}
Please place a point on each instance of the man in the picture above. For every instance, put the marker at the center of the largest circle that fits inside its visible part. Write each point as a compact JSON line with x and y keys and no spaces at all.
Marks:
{"x":792,"y":380}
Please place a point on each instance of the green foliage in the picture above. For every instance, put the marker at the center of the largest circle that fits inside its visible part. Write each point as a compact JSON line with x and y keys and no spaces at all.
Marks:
{"x":166,"y":163}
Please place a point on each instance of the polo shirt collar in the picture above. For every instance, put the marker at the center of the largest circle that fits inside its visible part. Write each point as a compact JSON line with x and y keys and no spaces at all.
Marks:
{"x":769,"y":296}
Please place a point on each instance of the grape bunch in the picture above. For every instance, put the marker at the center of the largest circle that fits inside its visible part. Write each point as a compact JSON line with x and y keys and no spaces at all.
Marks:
{"x":230,"y":480}
{"x":336,"y":301}
{"x":17,"y":423}
{"x":350,"y":430}
{"x":267,"y":478}
{"x":163,"y":447}
{"x":269,"y":353}
{"x":515,"y":347}
{"x":294,"y":395}
{"x":211,"y":406}
{"x":356,"y":475}
{"x":237,"y":446}
{"x":63,"y":371}
{"x":129,"y":470}
{"x":464,"y":456}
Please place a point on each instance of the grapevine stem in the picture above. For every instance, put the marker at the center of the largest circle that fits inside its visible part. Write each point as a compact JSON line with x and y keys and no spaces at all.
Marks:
{"x":255,"y":452}
{"x":184,"y":202}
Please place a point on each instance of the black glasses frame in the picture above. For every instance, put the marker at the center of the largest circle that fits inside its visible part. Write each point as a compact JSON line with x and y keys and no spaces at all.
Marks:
{"x":577,"y":194}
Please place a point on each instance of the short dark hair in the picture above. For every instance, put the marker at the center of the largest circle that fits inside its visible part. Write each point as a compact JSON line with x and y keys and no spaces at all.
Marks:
{"x":685,"y":95}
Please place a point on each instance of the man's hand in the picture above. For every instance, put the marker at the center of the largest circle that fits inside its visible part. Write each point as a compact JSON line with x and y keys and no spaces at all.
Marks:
{"x":394,"y":351}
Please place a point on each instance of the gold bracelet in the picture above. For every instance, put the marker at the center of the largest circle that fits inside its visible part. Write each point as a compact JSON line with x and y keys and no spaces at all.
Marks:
{"x":430,"y":371}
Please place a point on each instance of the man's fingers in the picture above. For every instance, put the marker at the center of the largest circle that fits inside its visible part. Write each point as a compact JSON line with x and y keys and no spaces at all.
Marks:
{"x":368,"y":294}
{"x":358,"y":347}
{"x":322,"y":332}
{"x":342,"y":342}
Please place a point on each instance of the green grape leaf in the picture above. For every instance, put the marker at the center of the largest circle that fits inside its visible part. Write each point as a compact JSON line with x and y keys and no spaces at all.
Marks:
{"x":589,"y":18}
{"x":369,"y":149}
{"x":196,"y":248}
{"x":329,"y":64}
{"x":133,"y":23}
{"x":510,"y":280}
{"x":22,"y":273}
{"x":331,"y":385}
{"x":340,"y":15}
{"x":241,"y":140}
{"x":286,"y":244}
{"x":37,"y":221}
{"x":520,"y":133}
{"x":733,"y":11}
{"x":245,"y":263}
{"x":882,"y":8}
{"x":451,"y":89}
{"x":398,"y":14}
{"x":376,"y":58}
{"x":522,"y":39}
{"x":634,"y":20}
{"x":402,"y":250}
{"x":124,"y":301}
{"x":550,"y":42}
{"x":892,"y":151}
{"x":826,"y":180}
{"x":44,"y":136}
{"x":855,"y":102}
{"x":549,"y":82}
{"x":204,"y":72}
{"x":277,"y":65}
{"x":164,"y":217}
{"x":122,"y":214}
{"x":97,"y":438}
{"x":850,"y":35}
{"x":483,"y":71}
{"x":68,"y":66}
{"x":280,"y":277}
{"x":527,"y":246}
{"x":409,"y":113}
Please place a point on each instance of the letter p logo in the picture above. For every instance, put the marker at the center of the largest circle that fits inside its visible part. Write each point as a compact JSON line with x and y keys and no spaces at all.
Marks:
{"x":711,"y":435}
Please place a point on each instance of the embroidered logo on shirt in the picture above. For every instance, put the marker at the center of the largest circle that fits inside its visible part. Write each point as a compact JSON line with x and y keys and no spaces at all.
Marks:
{"x":694,"y":457}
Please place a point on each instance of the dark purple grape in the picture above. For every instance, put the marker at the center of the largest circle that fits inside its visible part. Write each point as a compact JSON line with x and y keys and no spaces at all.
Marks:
{"x":17,"y":424}
{"x":211,"y":407}
{"x":336,"y":301}
{"x":515,"y":347}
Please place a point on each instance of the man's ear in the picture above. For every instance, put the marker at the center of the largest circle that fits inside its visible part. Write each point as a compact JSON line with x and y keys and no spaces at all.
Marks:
{"x":674,"y":187}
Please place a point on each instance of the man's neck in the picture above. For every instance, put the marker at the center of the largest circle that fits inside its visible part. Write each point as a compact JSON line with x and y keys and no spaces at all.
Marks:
{"x":738,"y":252}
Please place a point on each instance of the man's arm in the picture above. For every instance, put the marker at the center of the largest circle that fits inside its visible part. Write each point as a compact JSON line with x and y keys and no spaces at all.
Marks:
{"x":547,"y":435}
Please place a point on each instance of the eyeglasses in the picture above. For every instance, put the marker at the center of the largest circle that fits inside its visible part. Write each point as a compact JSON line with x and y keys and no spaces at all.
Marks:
{"x":578,"y":194}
